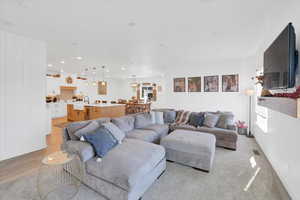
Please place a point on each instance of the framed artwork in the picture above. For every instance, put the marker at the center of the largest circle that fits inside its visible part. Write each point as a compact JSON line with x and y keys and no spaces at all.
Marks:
{"x":179,"y":84}
{"x":102,"y":88}
{"x":194,"y":84}
{"x":211,"y":83}
{"x":230,"y":83}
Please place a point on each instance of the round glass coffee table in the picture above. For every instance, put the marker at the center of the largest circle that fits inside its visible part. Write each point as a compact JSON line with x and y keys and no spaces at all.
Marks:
{"x":59,"y":176}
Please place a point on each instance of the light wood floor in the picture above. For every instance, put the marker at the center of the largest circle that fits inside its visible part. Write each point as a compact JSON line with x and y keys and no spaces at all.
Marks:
{"x":29,"y":163}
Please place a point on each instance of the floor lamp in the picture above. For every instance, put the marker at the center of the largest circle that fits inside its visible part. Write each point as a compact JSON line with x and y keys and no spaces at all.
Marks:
{"x":250,"y":93}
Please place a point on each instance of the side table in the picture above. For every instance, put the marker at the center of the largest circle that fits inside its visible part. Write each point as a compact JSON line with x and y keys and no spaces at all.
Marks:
{"x":59,"y":176}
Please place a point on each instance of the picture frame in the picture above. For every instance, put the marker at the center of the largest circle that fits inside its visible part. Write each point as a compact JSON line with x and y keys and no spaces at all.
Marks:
{"x":211,"y":83}
{"x":230,"y":83}
{"x":194,"y":84}
{"x":179,"y":84}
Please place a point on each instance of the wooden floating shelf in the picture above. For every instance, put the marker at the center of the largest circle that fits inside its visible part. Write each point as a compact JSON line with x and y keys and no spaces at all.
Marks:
{"x":68,"y":88}
{"x":284,"y":105}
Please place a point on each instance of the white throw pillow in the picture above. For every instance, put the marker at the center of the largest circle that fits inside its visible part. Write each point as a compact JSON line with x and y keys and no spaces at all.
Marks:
{"x":159,"y":117}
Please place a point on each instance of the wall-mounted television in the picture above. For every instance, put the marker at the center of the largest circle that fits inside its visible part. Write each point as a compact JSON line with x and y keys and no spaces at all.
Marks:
{"x":280,"y":61}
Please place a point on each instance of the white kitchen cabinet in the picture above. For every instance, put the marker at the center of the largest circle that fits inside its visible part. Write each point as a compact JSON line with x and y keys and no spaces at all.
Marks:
{"x":57,"y":110}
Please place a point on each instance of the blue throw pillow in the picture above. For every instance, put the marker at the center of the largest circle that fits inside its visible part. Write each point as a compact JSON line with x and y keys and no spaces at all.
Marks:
{"x":197,"y":119}
{"x":169,"y":116}
{"x":101,"y":140}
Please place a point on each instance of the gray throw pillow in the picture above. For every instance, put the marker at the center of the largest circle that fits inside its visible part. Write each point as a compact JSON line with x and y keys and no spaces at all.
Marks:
{"x":102,"y":141}
{"x":169,"y":116}
{"x":115,"y":131}
{"x":102,"y":120}
{"x":142,"y":120}
{"x":125,"y":123}
{"x":210,"y":120}
{"x":89,"y":128}
{"x":226,"y":119}
{"x":75,"y":126}
{"x":197,"y":119}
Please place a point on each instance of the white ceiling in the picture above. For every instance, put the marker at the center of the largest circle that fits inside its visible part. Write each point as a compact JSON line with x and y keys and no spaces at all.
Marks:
{"x":148,"y":37}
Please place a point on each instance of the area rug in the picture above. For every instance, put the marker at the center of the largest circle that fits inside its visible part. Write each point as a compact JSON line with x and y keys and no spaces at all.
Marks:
{"x":236,"y":175}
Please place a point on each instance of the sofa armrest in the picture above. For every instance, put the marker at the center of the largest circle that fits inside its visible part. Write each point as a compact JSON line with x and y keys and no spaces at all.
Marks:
{"x":83,"y":149}
{"x":65,"y":135}
{"x":231,"y":127}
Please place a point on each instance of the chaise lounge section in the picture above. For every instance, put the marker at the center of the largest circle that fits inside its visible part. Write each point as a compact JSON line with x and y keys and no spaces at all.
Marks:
{"x":130,"y":168}
{"x":127,"y":171}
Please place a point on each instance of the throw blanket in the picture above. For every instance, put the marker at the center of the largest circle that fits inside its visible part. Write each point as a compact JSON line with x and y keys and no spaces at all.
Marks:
{"x":182,"y":117}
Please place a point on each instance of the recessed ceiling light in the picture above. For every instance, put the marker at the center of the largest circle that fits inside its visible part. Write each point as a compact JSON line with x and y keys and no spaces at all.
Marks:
{"x":62,"y":71}
{"x":131,"y":24}
{"x":6,"y":23}
{"x":123,"y":68}
{"x":62,"y":62}
{"x":50,"y":65}
{"x":94,"y":72}
{"x":107,"y":70}
{"x":79,"y":58}
{"x":25,"y":3}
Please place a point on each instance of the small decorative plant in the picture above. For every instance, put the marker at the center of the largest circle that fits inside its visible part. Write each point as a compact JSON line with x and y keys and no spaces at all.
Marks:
{"x":241,"y":124}
{"x":260,"y":79}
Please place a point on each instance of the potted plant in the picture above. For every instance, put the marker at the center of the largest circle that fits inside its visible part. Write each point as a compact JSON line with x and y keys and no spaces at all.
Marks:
{"x":242,"y":127}
{"x":260,"y":81}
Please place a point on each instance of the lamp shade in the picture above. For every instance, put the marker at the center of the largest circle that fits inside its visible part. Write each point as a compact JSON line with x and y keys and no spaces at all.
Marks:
{"x":249,"y":92}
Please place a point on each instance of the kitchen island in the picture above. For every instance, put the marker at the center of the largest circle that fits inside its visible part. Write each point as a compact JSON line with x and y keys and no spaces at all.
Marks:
{"x":82,"y":111}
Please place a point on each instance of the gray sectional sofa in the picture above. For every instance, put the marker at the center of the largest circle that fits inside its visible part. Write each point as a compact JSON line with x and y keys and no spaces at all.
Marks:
{"x":139,"y":126}
{"x":226,"y":137}
{"x":130,"y":168}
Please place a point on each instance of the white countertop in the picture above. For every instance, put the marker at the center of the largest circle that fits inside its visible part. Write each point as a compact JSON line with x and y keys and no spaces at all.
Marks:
{"x":80,"y":106}
{"x":104,"y":104}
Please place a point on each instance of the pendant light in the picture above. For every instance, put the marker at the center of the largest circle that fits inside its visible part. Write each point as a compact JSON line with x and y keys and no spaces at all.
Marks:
{"x":102,"y":81}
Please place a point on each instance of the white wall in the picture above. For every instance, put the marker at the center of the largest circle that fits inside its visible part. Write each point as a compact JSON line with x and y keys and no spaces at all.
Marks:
{"x":22,"y":90}
{"x":278,"y":134}
{"x":237,"y":102}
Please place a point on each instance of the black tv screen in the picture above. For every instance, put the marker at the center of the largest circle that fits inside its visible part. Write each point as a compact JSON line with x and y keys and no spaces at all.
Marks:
{"x":280,"y":61}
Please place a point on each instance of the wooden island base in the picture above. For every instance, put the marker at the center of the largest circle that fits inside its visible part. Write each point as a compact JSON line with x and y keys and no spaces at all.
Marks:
{"x":90,"y":112}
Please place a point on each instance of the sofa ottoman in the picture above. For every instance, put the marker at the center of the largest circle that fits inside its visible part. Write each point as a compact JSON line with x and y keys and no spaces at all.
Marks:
{"x":191,"y":148}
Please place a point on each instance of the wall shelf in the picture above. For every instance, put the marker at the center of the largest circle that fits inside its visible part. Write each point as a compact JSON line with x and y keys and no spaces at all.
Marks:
{"x":68,"y":88}
{"x":287,"y":106}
